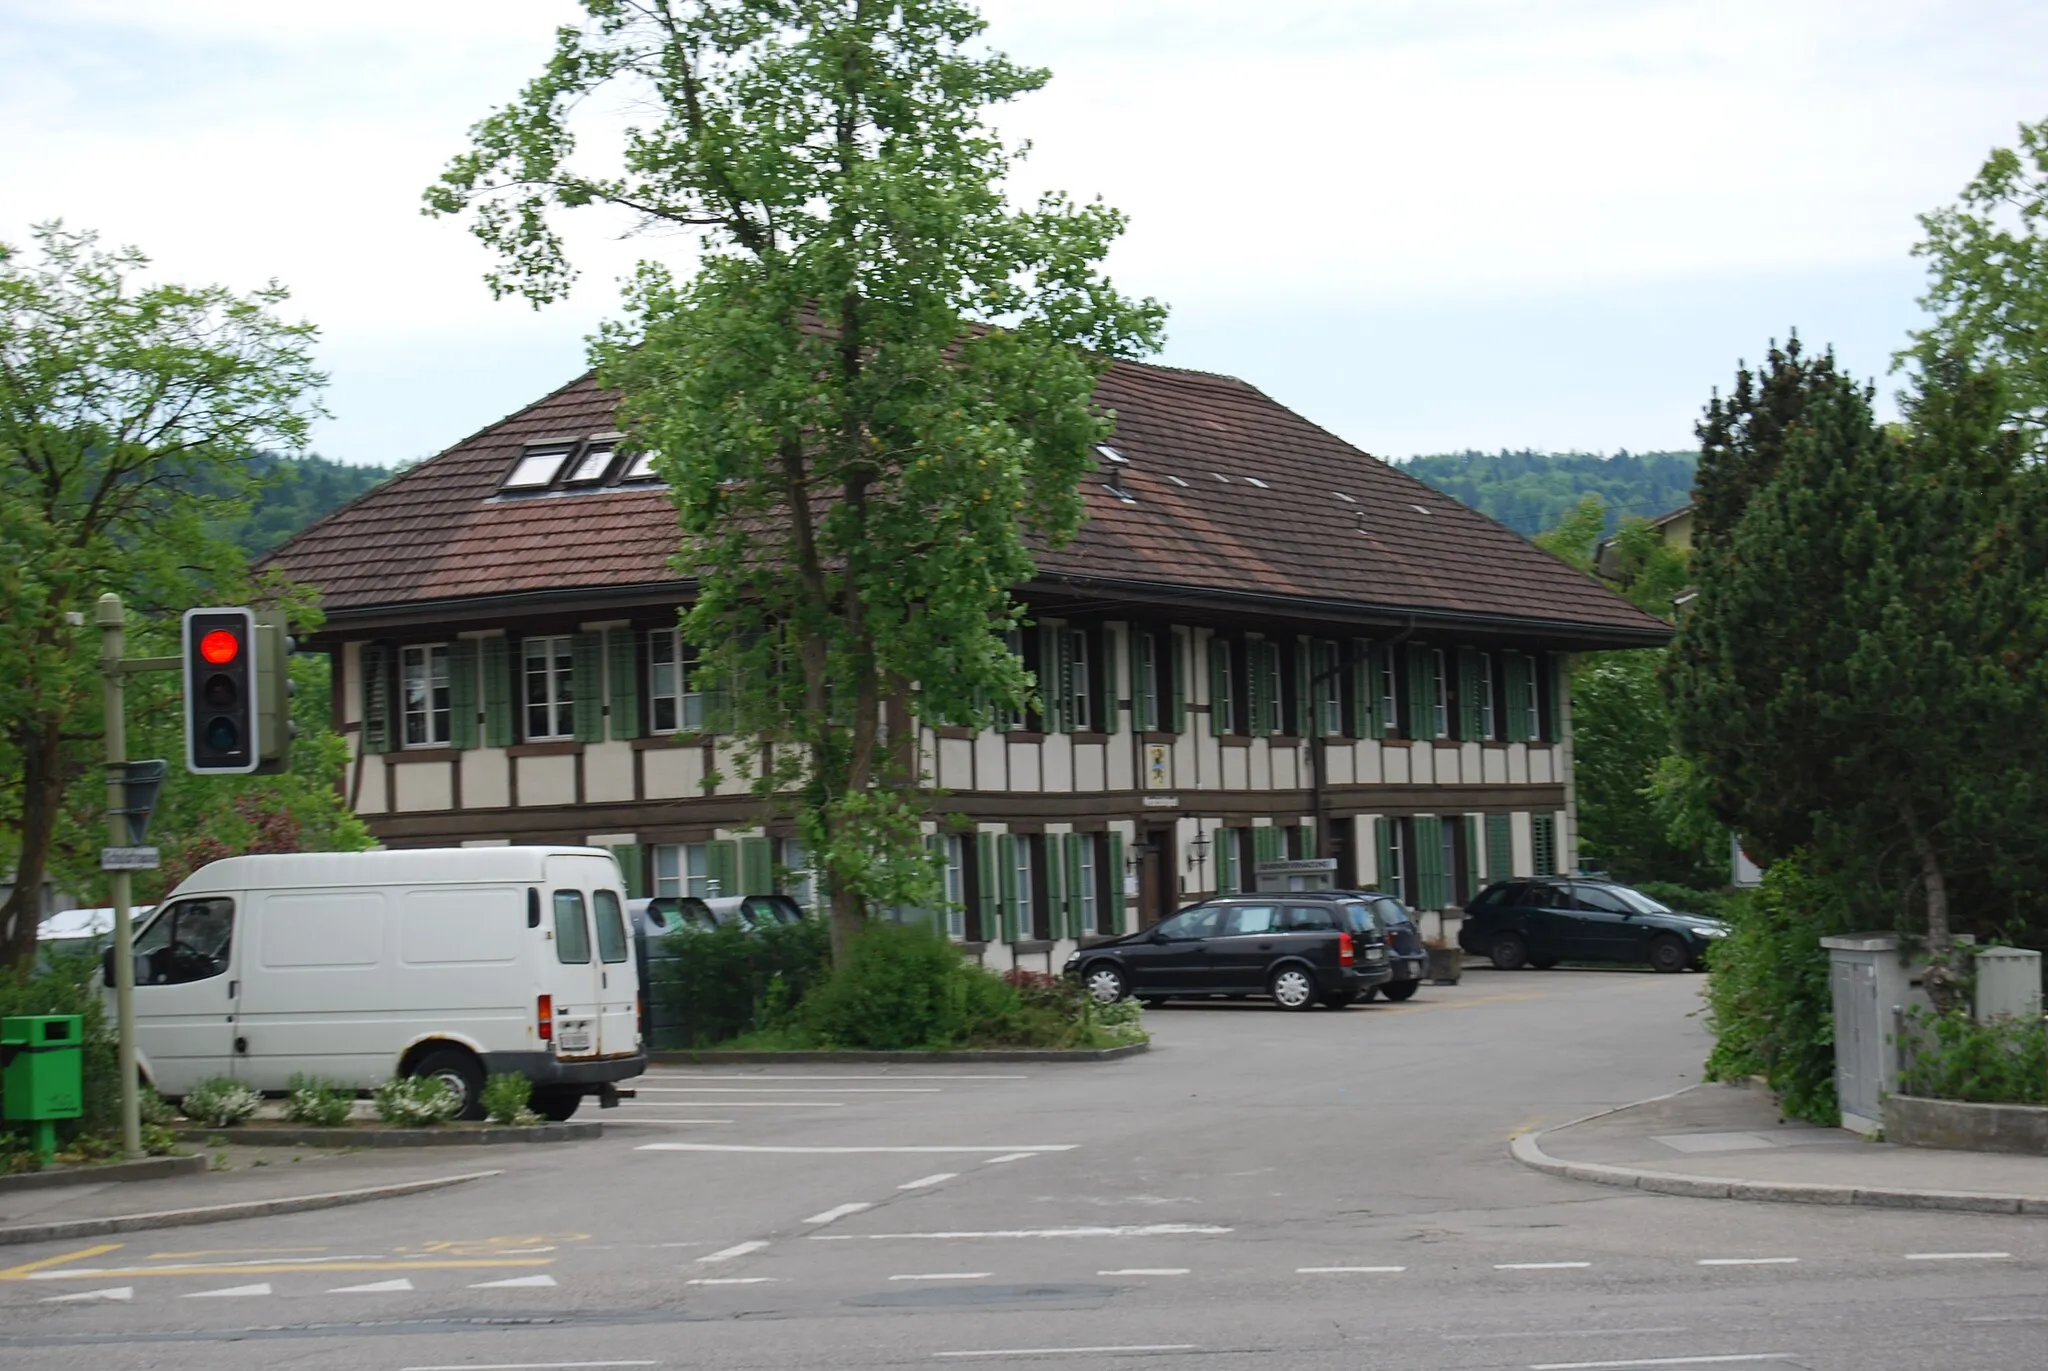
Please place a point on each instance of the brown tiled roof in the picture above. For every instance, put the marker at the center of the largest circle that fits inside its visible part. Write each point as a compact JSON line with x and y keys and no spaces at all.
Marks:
{"x":435,"y":533}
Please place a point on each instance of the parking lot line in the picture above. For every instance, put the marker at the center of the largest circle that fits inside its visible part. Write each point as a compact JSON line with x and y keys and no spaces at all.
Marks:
{"x":736,"y":1250}
{"x":922,"y":1181}
{"x":845,"y":1151}
{"x":1065,"y":1351}
{"x":838,"y":1211}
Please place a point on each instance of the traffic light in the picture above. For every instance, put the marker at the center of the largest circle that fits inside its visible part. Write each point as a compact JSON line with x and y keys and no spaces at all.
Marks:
{"x":274,"y":690}
{"x":221,"y":733}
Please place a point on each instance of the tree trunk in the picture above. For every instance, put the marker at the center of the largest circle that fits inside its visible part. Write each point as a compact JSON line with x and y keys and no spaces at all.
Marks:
{"x":42,"y":795}
{"x":1941,"y":981}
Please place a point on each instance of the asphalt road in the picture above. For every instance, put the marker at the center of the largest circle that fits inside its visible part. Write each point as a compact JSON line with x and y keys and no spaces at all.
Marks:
{"x":1262,"y":1190}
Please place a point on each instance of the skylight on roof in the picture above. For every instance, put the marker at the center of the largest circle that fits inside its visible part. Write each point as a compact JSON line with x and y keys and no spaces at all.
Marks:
{"x":1221,"y":477}
{"x":595,"y":461}
{"x":1120,"y":493}
{"x":1418,"y":509}
{"x":1345,"y":498}
{"x":539,"y":466}
{"x":641,"y":469}
{"x":1112,"y":455}
{"x":1176,"y":480}
{"x":1257,"y":482}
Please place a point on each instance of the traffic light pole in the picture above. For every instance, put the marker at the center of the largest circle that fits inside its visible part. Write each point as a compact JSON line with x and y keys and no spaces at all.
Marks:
{"x":113,"y":677}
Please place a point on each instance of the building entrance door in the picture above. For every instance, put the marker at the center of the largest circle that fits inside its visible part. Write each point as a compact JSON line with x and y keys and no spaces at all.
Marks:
{"x":1158,"y":890}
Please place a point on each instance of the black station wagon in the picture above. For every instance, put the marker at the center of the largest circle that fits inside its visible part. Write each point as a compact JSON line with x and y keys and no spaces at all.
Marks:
{"x":1555,"y":919}
{"x":1301,"y":948}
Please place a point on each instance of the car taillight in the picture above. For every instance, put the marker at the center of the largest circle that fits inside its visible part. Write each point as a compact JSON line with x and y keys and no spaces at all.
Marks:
{"x":545,"y":1010}
{"x":1344,"y":953}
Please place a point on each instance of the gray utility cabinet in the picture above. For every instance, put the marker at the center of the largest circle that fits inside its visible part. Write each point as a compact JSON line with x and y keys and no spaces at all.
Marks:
{"x":1873,"y":986}
{"x":2008,"y":983}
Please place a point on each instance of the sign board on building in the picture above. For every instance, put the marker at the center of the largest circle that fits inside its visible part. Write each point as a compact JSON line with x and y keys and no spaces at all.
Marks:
{"x":1158,"y":766}
{"x":1300,"y":873}
{"x":130,"y":859}
{"x":1162,"y":802}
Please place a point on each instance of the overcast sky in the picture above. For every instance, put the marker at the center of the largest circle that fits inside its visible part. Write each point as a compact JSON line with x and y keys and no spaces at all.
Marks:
{"x":1425,"y":224}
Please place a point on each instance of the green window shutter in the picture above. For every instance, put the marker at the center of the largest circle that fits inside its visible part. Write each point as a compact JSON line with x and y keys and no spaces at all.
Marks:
{"x":1386,"y":878}
{"x":1559,"y":682}
{"x":1140,"y":723}
{"x":723,"y":866}
{"x":1259,"y":655}
{"x":1363,"y":690}
{"x":1052,"y":704}
{"x":1471,"y":836}
{"x":1006,"y":860}
{"x":757,"y":867}
{"x":1226,"y":861}
{"x":1428,"y":858}
{"x":1176,"y":641}
{"x":987,"y":885}
{"x":1468,"y":693}
{"x":1077,"y":918}
{"x":1055,"y":885}
{"x":497,"y":670}
{"x":623,"y":649}
{"x":1115,"y":862}
{"x":1383,"y":708}
{"x":1263,"y":843}
{"x":375,"y":664}
{"x":1068,"y":686}
{"x":1543,"y":843}
{"x":1500,"y":851}
{"x":1108,"y":717}
{"x":632,"y":869}
{"x":1513,"y":666}
{"x":587,"y":662}
{"x":462,"y":693}
{"x":1421,"y":694}
{"x":1304,"y":688}
{"x":1219,"y":687}
{"x":1308,"y":838}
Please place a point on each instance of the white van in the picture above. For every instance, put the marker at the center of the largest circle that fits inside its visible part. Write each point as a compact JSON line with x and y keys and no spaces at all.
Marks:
{"x":358,"y":966}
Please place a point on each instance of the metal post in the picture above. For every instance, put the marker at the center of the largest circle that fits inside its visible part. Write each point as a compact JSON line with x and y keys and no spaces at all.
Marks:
{"x":112,"y":621}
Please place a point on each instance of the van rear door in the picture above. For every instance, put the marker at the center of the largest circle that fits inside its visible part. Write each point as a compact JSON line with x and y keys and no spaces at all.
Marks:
{"x":618,"y":976}
{"x":571,"y":980}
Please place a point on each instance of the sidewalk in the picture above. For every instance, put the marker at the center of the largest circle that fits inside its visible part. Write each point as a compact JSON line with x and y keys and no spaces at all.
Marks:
{"x":1727,"y":1142}
{"x":253,"y":1187}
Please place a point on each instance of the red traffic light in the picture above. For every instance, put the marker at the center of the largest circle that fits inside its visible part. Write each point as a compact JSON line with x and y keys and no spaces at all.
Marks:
{"x":220,"y":647}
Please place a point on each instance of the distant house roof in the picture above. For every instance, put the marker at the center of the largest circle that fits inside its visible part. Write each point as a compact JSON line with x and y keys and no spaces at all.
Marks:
{"x":1222,"y":494}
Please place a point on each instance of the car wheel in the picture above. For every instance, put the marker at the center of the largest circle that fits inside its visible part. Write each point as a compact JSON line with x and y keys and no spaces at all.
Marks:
{"x":1369,"y":994}
{"x":555,"y":1105}
{"x":1668,"y":954}
{"x":1543,"y":963}
{"x":1293,"y":988}
{"x":1400,"y":990}
{"x":1509,"y":952}
{"x":459,"y":1070}
{"x":1105,"y":983}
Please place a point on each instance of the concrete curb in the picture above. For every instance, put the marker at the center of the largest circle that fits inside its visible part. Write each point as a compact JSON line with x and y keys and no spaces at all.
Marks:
{"x":567,"y":1131}
{"x":62,"y":1230}
{"x":1528,"y":1150}
{"x":727,"y":1057}
{"x":141,"y":1169}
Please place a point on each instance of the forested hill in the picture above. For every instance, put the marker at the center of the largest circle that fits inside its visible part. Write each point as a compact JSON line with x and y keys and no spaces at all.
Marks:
{"x":294,"y":492}
{"x":1533,"y":491}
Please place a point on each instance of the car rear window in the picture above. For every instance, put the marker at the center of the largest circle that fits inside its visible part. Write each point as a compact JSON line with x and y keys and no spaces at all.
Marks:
{"x":1390,"y":912}
{"x":611,"y":927}
{"x":572,"y":931}
{"x":1358,"y":918}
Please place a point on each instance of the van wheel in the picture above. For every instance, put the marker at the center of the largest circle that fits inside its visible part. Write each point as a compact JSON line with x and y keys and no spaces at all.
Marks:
{"x":555,"y":1105}
{"x":459,"y":1070}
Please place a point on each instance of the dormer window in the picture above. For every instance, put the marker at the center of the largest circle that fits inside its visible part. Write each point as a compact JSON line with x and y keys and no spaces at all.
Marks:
{"x":539,"y":466}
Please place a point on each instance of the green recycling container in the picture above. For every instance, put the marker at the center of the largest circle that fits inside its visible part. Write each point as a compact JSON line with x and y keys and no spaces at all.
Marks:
{"x":42,"y":1068}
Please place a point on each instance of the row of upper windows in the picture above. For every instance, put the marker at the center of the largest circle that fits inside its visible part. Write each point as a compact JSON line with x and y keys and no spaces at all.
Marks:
{"x":575,"y":464}
{"x":632,"y":682}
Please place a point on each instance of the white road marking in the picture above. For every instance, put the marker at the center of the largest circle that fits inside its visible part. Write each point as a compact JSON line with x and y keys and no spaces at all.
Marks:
{"x":1147,"y":1271}
{"x":1058,"y":1351}
{"x":230,"y":1292}
{"x":119,"y":1292}
{"x":844,"y":1151}
{"x":1660,"y":1361}
{"x":736,"y":1250}
{"x":373,"y":1288}
{"x":531,"y":1366}
{"x":1009,"y":1157}
{"x":797,"y":1090}
{"x":542,"y":1282}
{"x":1539,"y":1266}
{"x":1348,"y":1270}
{"x":740,"y":1104}
{"x":1958,"y":1256}
{"x":1747,"y":1261}
{"x":645,"y":1119}
{"x":1563,"y":1333}
{"x":761,"y":1078}
{"x":732,"y":1280}
{"x":1129,"y":1230}
{"x":838,"y":1211}
{"x":947,"y":1276}
{"x":922,"y":1181}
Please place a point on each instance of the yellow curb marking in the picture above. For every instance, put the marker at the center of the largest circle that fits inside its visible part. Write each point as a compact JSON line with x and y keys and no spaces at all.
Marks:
{"x":19,"y":1273}
{"x":277,"y":1269}
{"x":236,"y":1252}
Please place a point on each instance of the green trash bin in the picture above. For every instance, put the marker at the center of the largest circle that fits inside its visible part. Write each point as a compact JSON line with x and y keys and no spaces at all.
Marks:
{"x":42,"y":1073}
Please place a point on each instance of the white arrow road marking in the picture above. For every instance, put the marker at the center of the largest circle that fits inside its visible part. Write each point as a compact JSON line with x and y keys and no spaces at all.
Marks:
{"x":517,"y":1283}
{"x":119,"y":1292}
{"x":373,"y":1288}
{"x":838,"y":1211}
{"x":263,"y":1289}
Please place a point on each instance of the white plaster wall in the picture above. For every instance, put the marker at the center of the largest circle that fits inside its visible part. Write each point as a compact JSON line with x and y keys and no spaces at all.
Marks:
{"x":350,"y":683}
{"x":546,"y":780}
{"x":486,"y":778}
{"x":1056,"y":754}
{"x":1121,"y":762}
{"x":424,"y":786}
{"x":1185,"y":772}
{"x":1564,"y":858}
{"x":1342,"y":763}
{"x":1024,"y":763}
{"x":1366,"y":849}
{"x":1422,"y":764}
{"x":1470,"y":768}
{"x":1368,"y":762}
{"x":1494,"y":766}
{"x":1237,"y":767}
{"x":1089,"y":767}
{"x":1288,"y":771}
{"x":672,"y":773}
{"x":1398,"y":762}
{"x":991,"y":761}
{"x":371,"y":798}
{"x":607,"y":772}
{"x":1540,"y":766}
{"x":1523,"y":843}
{"x":1518,"y":764}
{"x":956,"y":764}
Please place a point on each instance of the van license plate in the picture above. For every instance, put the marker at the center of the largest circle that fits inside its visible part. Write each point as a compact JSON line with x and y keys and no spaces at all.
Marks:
{"x":575,"y":1040}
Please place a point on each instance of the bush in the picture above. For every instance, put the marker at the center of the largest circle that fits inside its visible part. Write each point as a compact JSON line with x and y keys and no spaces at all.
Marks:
{"x":901,"y":986}
{"x":1769,"y":1004}
{"x":1713,"y":904}
{"x":415,"y":1101}
{"x":1953,"y":1057}
{"x":158,"y":1141}
{"x":505,"y":1097}
{"x":712,"y":987}
{"x":62,"y":983}
{"x":219,"y":1102}
{"x":318,"y":1103}
{"x":18,"y":1155}
{"x":154,"y":1108}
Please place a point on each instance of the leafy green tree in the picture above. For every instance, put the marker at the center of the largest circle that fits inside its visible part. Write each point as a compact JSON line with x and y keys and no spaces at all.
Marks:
{"x":1533,"y":491}
{"x":1576,"y":539}
{"x":1860,"y":674}
{"x":874,"y":391}
{"x":1621,"y":737}
{"x":1987,"y":259}
{"x":117,"y":398}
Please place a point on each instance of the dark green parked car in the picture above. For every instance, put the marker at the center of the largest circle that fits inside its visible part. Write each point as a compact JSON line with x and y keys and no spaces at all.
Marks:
{"x":1556,"y":919}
